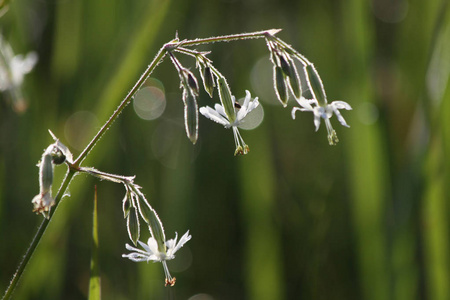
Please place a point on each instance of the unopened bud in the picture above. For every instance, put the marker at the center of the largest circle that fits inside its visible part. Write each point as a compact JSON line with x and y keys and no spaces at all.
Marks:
{"x":126,"y":205}
{"x":316,"y":85}
{"x":294,"y":80}
{"x":133,"y":226}
{"x":192,"y":83}
{"x":284,"y":65}
{"x":190,"y":115}
{"x":280,"y":85}
{"x":208,"y":80}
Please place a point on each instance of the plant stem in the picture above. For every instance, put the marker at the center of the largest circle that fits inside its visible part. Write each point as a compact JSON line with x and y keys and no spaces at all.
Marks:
{"x":228,"y":38}
{"x":158,"y":58}
{"x":37,"y":237}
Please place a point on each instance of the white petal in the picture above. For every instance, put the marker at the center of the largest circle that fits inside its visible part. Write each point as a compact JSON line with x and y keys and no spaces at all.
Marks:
{"x":131,"y":248}
{"x":247,"y":99}
{"x":306,"y":103}
{"x":145,"y":246}
{"x":294,"y":110}
{"x":241,"y":114}
{"x":136,"y":257}
{"x":340,"y":105}
{"x":184,"y":239}
{"x":340,"y":118}
{"x":219,"y":108}
{"x":213,"y":115}
{"x":153,"y":246}
{"x":254,"y":104}
{"x":172,"y":242}
{"x":317,"y":121}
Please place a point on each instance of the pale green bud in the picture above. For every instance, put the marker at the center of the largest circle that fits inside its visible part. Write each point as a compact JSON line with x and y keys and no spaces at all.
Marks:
{"x":190,"y":115}
{"x":126,"y":205}
{"x":208,"y":80}
{"x":294,"y":80}
{"x":316,"y":85}
{"x":192,"y":83}
{"x":280,"y":85}
{"x":133,"y":226}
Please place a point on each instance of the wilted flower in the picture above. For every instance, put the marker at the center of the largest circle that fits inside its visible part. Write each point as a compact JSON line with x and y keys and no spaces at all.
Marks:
{"x":218,"y":115}
{"x":43,"y":201}
{"x":152,"y":252}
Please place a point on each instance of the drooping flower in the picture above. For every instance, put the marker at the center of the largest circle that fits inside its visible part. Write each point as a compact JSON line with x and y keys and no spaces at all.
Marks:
{"x":324,"y":112}
{"x":236,"y":117}
{"x":152,"y":252}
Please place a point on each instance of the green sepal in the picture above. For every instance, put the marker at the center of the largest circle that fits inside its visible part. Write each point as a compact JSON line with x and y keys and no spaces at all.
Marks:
{"x":208,"y":80}
{"x":190,"y":115}
{"x":280,"y":85}
{"x":226,"y":98}
{"x":133,"y":225}
{"x":316,"y":85}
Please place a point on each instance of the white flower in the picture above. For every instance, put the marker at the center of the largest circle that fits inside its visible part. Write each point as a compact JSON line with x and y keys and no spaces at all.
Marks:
{"x":218,"y":115}
{"x":152,"y":253}
{"x":14,"y":67}
{"x":324,"y":112}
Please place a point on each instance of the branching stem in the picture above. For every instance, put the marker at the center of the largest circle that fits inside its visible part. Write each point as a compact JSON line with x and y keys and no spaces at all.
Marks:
{"x":75,"y":167}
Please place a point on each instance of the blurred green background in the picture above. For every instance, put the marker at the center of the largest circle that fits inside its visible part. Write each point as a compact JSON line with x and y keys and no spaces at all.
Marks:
{"x":295,"y":218}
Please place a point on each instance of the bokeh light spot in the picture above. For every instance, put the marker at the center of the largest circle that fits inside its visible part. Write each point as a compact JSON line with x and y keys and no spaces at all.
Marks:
{"x":253,"y":119}
{"x":367,"y":113}
{"x":201,"y":296}
{"x":149,"y":103}
{"x":80,"y":127}
{"x":262,"y":81}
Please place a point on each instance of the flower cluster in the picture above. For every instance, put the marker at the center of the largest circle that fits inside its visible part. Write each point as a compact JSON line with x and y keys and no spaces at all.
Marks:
{"x":157,"y":248}
{"x":286,"y":75}
{"x":288,"y":65}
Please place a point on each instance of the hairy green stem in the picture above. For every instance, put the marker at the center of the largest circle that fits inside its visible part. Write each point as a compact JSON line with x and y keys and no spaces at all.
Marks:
{"x":37,"y":237}
{"x":158,"y":58}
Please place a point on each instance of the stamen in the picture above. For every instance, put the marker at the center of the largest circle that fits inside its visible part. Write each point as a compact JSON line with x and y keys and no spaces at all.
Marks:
{"x":169,"y":279}
{"x":332,"y":136}
{"x":241,"y":147}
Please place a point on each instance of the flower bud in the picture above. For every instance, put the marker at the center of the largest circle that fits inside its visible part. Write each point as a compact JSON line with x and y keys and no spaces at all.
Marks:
{"x":192,"y":83}
{"x":280,"y":85}
{"x":294,"y":80}
{"x":226,"y":98}
{"x":126,"y":205}
{"x":133,"y":226}
{"x":208,"y":80}
{"x":316,"y":85}
{"x":190,"y":115}
{"x":284,"y":64}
